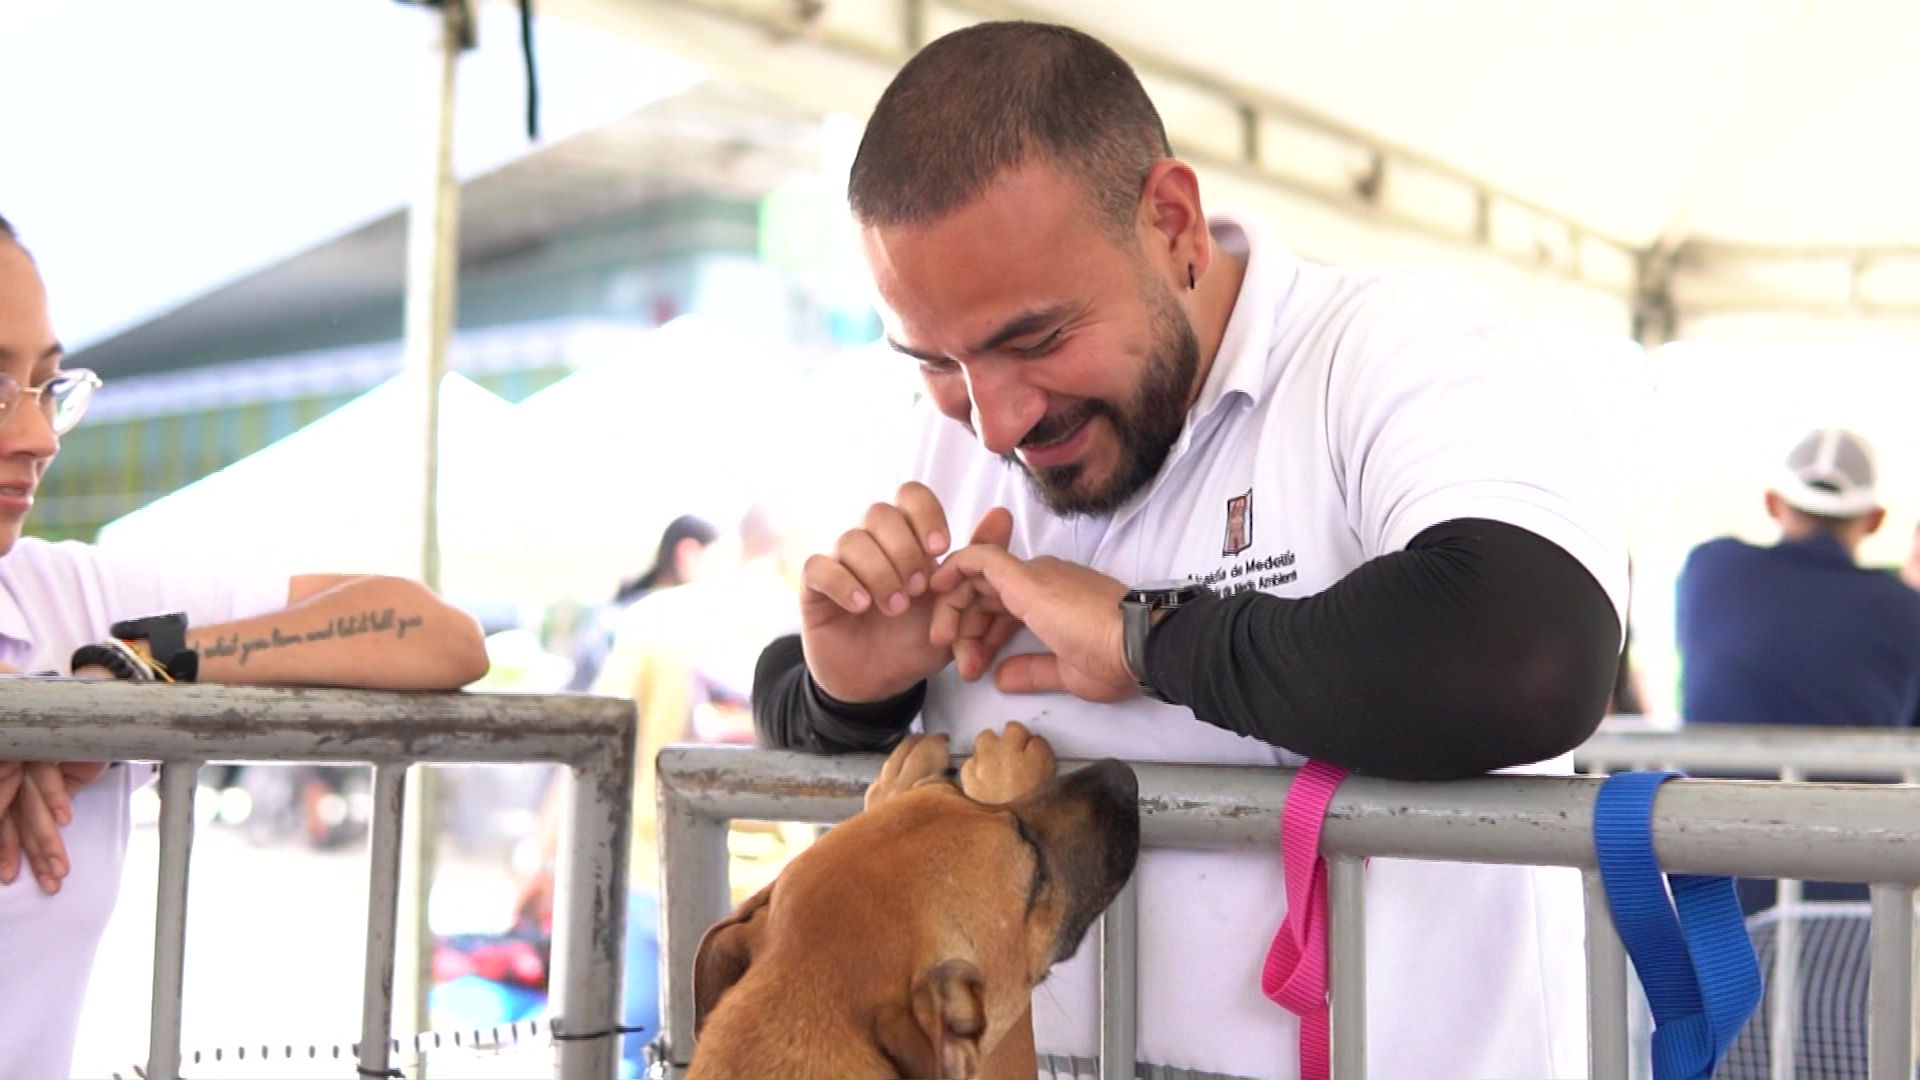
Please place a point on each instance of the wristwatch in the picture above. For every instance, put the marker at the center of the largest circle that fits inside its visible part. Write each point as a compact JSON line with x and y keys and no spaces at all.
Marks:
{"x":149,"y":649}
{"x":1136,"y":619}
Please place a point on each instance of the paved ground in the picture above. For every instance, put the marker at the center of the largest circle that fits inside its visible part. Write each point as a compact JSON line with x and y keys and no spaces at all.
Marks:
{"x":274,"y":953}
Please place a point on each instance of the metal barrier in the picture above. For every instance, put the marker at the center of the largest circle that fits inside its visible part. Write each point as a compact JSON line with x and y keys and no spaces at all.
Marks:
{"x":1785,"y":752}
{"x":1790,"y":754}
{"x":184,"y":726}
{"x":1865,"y":834}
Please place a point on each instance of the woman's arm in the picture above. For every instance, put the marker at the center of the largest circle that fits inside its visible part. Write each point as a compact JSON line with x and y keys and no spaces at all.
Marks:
{"x":374,"y":633}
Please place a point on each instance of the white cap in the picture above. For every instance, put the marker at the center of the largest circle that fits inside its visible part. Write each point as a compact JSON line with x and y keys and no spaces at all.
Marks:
{"x":1830,"y":473}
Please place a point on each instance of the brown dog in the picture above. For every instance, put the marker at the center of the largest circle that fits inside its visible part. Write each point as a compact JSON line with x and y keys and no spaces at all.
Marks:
{"x":907,"y":941}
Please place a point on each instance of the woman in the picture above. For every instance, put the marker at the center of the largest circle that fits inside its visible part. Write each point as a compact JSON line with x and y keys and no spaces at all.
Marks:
{"x":677,"y":559}
{"x":69,"y":605}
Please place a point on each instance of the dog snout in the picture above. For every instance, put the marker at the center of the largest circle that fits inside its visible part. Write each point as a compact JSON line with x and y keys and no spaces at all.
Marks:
{"x":1111,"y":782}
{"x":1089,"y":822}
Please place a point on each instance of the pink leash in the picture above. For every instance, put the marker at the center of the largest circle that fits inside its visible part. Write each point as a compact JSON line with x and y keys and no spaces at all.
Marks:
{"x":1295,"y":976}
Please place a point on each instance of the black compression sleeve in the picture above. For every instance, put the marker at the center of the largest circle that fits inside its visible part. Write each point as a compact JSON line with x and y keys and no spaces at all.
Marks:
{"x":1481,"y":646}
{"x":790,"y":712}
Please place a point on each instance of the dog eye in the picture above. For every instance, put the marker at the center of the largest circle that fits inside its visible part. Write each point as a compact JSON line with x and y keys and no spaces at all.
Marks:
{"x":1041,"y":872}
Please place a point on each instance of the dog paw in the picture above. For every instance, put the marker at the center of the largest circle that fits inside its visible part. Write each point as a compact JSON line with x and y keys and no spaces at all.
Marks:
{"x":918,"y":759}
{"x":1006,"y":766}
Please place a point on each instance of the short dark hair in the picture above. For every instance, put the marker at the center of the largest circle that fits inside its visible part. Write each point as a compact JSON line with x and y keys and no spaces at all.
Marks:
{"x":6,"y":230}
{"x":996,"y":95}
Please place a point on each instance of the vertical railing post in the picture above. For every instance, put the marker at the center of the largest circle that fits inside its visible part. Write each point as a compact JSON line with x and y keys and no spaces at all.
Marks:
{"x":1784,"y":1016}
{"x":1119,"y":984}
{"x":1347,"y":960}
{"x":593,"y":937}
{"x":384,"y":845}
{"x":178,"y":780}
{"x":1890,"y":984}
{"x":1607,"y":1041}
{"x":693,"y":893}
{"x":1911,"y":777}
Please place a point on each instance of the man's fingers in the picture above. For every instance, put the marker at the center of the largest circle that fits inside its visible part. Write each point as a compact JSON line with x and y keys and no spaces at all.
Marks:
{"x":860,"y":552}
{"x":928,"y":518}
{"x":894,"y":534}
{"x":1001,"y":631}
{"x":1029,"y":673}
{"x":951,"y":613}
{"x":822,"y":575}
{"x":51,"y":782}
{"x":995,"y":527}
{"x":994,"y":568}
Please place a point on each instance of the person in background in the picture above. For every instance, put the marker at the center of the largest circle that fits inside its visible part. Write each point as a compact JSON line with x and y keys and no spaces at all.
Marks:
{"x":676,"y":561}
{"x":1798,"y":632}
{"x":685,"y":657}
{"x":73,"y":608}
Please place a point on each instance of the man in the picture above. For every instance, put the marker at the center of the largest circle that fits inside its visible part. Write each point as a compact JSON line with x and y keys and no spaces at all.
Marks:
{"x":1799,"y":632}
{"x":59,"y":604}
{"x":1414,"y":578}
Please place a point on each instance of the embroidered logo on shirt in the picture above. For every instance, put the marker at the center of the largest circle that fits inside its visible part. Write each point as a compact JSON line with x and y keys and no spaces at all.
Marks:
{"x":1239,"y":524}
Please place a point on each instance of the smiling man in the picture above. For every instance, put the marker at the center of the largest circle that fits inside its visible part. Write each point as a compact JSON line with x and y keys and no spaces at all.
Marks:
{"x":1225,"y":506}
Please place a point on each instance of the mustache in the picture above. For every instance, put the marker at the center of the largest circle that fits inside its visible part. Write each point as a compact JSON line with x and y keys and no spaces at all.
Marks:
{"x":1055,"y":426}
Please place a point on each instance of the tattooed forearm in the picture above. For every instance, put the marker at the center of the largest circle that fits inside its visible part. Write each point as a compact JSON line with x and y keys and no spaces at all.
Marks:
{"x":383,"y":621}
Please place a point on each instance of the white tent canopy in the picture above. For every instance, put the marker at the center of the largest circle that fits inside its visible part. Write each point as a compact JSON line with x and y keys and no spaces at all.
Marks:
{"x":566,"y":493}
{"x":329,"y":499}
{"x":1678,"y":159}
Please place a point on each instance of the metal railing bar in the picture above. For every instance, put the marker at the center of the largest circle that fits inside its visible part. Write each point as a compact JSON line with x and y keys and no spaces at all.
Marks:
{"x":1607,"y":1038}
{"x":693,"y":856}
{"x":1890,"y":984}
{"x":96,"y":720}
{"x":178,"y":783}
{"x":592,"y":939}
{"x":1119,"y":984}
{"x":1784,"y":1011}
{"x":383,"y":914}
{"x":1866,"y":832}
{"x":1864,"y":751}
{"x":1347,"y":956}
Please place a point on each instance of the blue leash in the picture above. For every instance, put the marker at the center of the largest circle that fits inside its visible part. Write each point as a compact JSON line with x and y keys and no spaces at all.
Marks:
{"x":1697,"y":966}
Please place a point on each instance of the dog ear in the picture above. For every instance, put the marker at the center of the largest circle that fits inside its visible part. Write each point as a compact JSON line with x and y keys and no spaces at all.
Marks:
{"x":950,"y":1005}
{"x":726,"y":950}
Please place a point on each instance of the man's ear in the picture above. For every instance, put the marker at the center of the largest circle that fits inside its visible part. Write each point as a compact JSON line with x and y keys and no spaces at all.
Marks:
{"x":951,"y":1008}
{"x":726,"y":951}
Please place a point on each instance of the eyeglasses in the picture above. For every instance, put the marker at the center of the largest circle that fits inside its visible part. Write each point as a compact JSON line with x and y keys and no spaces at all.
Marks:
{"x":62,"y":399}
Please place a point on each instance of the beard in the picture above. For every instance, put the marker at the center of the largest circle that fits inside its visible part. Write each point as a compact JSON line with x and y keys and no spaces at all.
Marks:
{"x":1145,"y":426}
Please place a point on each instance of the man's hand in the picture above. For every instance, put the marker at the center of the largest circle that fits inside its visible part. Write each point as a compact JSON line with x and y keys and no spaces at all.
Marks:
{"x":1074,"y":611}
{"x":868,"y":614}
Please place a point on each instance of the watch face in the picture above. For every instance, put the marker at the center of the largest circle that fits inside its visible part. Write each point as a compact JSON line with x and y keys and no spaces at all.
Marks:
{"x":1163,"y":593}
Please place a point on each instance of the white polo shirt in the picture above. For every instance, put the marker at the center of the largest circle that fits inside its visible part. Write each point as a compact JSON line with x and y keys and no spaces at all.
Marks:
{"x":55,"y":598}
{"x":1345,"y":413}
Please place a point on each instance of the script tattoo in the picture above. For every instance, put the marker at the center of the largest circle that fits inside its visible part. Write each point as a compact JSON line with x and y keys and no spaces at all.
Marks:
{"x":383,"y":621}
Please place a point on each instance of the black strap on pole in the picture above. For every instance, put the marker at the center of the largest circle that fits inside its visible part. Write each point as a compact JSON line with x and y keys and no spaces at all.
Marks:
{"x":533,"y":80}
